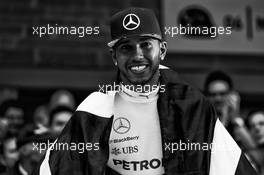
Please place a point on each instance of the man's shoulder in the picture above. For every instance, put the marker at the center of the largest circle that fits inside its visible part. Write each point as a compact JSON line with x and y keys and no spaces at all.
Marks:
{"x":169,"y":76}
{"x":179,"y":88}
{"x":99,"y":104}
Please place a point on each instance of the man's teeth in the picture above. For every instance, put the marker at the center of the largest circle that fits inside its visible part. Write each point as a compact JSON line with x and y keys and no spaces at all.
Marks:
{"x":138,"y":68}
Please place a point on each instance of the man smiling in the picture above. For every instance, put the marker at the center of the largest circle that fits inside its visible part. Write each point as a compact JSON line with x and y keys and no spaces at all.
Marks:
{"x":137,"y":46}
{"x":138,"y":130}
{"x":138,"y":59}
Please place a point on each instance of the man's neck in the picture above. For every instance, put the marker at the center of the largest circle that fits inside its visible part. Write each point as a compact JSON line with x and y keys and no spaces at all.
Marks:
{"x":145,"y":87}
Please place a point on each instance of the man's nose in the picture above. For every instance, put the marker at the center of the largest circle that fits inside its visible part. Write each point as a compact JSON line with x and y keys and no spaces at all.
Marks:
{"x":138,"y":52}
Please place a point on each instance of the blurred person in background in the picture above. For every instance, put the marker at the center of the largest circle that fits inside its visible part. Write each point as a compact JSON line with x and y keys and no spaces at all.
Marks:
{"x":220,"y":91}
{"x":3,"y":132}
{"x":30,"y":155}
{"x":59,"y":117}
{"x":13,"y":112}
{"x":62,"y":106}
{"x":41,"y":117}
{"x":3,"y":128}
{"x":255,"y":123}
{"x":6,"y":94}
{"x":9,"y":154}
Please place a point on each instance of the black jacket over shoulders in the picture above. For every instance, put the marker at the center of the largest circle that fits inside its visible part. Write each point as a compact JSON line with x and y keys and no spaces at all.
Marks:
{"x":185,"y":117}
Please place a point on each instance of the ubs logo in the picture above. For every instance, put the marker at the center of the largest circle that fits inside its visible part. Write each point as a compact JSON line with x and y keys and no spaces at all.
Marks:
{"x":121,"y":125}
{"x":131,"y":21}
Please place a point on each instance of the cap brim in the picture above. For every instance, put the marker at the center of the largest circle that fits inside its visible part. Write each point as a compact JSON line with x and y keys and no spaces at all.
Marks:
{"x":113,"y":42}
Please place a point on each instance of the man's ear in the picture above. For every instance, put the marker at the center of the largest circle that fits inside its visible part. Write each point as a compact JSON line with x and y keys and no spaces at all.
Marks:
{"x":113,"y":55}
{"x":163,"y":49}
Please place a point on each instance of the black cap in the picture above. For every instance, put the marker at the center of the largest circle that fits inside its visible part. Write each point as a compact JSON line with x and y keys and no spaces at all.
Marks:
{"x":134,"y":22}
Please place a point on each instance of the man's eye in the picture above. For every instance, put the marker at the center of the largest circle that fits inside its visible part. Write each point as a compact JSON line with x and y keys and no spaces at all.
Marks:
{"x":146,"y":45}
{"x":125,"y":47}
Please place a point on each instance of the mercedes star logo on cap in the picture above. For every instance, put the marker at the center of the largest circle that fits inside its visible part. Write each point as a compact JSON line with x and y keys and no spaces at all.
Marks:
{"x":121,"y":125}
{"x":131,"y":21}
